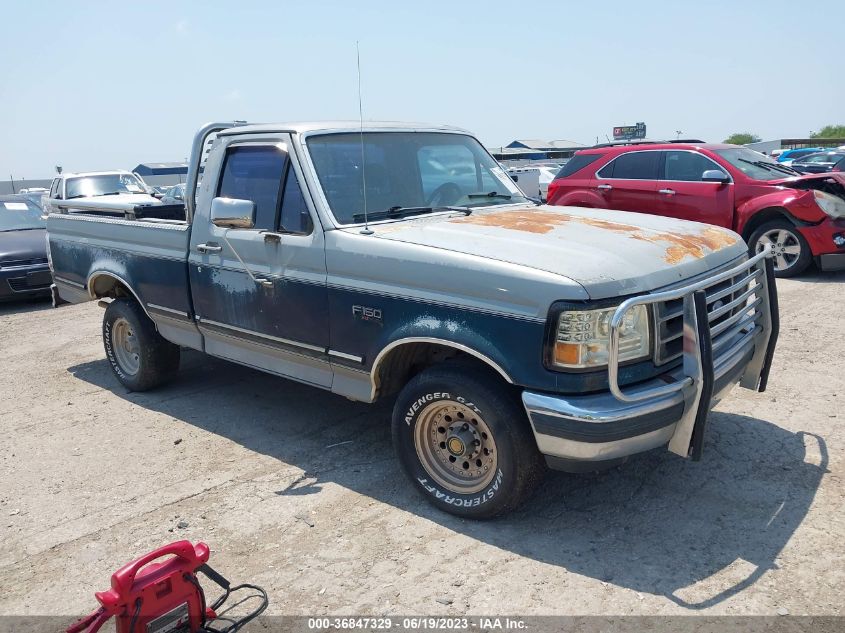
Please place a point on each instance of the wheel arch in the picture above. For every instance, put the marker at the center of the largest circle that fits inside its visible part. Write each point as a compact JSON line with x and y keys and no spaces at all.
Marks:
{"x":403,"y":358}
{"x":763,"y":216}
{"x":104,"y":283}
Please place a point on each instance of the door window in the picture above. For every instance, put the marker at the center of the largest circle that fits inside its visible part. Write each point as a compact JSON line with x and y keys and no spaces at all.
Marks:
{"x":294,"y":216}
{"x":636,"y":166}
{"x":686,"y":166}
{"x":54,"y":188}
{"x":255,"y":173}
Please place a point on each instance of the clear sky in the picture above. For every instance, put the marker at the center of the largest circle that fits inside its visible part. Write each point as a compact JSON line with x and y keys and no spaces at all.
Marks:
{"x":98,"y":85}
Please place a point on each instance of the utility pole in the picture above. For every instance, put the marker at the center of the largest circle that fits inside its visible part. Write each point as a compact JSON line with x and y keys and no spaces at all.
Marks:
{"x":12,"y":178}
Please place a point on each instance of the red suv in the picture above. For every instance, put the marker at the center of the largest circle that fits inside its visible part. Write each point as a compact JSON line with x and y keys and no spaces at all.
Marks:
{"x":801,"y":218}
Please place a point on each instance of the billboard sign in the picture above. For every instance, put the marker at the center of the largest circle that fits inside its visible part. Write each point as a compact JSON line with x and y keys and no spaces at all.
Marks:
{"x":626,"y":132}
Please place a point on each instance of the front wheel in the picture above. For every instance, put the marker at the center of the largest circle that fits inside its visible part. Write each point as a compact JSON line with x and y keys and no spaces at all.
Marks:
{"x":139,"y":356}
{"x":790,"y":250}
{"x":465,"y":442}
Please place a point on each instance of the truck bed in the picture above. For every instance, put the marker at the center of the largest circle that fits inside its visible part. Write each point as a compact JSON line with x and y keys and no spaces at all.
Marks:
{"x":87,"y":249}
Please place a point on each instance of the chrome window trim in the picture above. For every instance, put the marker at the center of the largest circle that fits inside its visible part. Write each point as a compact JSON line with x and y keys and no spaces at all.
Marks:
{"x":596,"y":175}
{"x":690,"y":151}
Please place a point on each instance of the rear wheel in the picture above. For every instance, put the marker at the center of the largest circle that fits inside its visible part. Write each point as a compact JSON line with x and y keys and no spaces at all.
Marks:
{"x":791,"y":252}
{"x":465,"y":442}
{"x":139,"y":356}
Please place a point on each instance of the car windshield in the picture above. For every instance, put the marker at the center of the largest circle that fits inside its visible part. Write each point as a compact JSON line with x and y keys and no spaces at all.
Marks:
{"x":755,"y":165}
{"x":19,"y":214}
{"x":420,"y":171}
{"x":103,"y":185}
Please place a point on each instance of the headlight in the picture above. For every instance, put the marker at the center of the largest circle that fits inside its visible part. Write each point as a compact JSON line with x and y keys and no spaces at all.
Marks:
{"x":583,"y":336}
{"x":831,"y":205}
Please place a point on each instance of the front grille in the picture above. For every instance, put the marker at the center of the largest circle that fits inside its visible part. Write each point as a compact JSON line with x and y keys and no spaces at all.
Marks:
{"x":733,"y":308}
{"x":21,"y":284}
{"x":12,"y":263}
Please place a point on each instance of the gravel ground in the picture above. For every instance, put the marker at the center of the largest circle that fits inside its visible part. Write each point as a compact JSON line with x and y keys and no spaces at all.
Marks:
{"x":297,"y":490}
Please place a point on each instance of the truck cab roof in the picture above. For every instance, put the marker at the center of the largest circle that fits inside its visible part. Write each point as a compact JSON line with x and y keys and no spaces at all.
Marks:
{"x":304,"y":127}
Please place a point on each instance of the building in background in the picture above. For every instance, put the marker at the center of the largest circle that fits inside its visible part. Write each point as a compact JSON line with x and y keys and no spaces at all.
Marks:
{"x":766,"y":147}
{"x":535,"y":149}
{"x":162,"y":174}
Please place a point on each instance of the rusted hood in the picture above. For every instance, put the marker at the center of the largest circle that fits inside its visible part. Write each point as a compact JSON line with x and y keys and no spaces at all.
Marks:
{"x":610,"y":253}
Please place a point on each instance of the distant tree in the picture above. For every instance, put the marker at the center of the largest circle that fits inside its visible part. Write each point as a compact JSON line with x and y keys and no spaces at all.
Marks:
{"x":742,"y":138}
{"x":829,"y":131}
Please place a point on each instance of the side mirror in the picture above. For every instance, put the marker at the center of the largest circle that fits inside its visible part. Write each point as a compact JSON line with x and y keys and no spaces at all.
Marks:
{"x":231,"y":213}
{"x":715,"y":175}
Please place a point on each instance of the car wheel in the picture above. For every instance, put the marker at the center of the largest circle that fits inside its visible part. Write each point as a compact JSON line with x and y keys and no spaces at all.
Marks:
{"x":465,"y":441}
{"x":139,"y":356}
{"x":791,"y":252}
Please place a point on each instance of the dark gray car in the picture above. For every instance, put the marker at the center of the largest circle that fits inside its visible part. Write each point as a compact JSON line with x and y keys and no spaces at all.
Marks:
{"x":23,"y":250}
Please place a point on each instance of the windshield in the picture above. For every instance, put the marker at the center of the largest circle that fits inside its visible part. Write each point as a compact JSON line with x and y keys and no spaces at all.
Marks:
{"x":19,"y":215}
{"x":407,"y":170}
{"x":103,"y":185}
{"x":755,"y":165}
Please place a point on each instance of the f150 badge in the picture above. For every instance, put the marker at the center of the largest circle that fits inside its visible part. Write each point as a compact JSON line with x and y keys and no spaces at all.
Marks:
{"x":366,"y":313}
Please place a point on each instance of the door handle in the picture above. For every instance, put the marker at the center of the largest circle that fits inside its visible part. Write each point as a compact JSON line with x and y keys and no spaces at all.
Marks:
{"x":605,"y":187}
{"x":667,"y":192}
{"x":209,"y":248}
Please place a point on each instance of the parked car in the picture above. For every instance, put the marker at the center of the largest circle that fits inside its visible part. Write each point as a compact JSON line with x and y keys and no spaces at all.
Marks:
{"x":725,"y":185}
{"x":24,"y":272}
{"x":839,"y":166}
{"x":817,"y":163}
{"x":35,"y":197}
{"x":118,"y":187}
{"x":790,"y":155}
{"x":505,"y":331}
{"x":174,"y":194}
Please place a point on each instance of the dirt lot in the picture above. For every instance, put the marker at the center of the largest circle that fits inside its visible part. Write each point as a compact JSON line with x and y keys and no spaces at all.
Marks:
{"x":297,"y":490}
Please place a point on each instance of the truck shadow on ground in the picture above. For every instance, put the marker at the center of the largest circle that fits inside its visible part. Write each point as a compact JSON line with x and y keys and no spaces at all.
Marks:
{"x":27,"y":305}
{"x":657,"y":524}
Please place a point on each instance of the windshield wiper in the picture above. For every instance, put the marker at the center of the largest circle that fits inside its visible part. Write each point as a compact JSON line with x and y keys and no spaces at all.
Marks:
{"x":491,"y":194}
{"x":392,"y":212}
{"x":402,"y":212}
{"x":771,"y":166}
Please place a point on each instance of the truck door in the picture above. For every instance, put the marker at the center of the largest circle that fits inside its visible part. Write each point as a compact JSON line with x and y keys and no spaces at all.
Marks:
{"x":259,"y":293}
{"x":683,"y":194}
{"x":629,"y":183}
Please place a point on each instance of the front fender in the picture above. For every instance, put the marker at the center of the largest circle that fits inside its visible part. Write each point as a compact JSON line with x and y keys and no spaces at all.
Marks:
{"x":800,"y":205}
{"x":581,"y":198}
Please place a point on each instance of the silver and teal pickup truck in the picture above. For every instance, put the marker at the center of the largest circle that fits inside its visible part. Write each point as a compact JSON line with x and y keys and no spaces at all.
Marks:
{"x":400,"y":261}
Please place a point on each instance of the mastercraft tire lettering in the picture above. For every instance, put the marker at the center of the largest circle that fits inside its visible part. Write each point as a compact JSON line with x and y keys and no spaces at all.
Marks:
{"x":465,"y":442}
{"x":138,"y":355}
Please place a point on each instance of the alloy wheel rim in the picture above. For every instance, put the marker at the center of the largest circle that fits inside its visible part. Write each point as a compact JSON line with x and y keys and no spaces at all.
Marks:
{"x":127,"y":350}
{"x":784,"y":246}
{"x":456,"y":447}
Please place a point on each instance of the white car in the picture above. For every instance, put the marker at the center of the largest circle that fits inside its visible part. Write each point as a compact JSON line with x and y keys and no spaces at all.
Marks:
{"x":118,"y":186}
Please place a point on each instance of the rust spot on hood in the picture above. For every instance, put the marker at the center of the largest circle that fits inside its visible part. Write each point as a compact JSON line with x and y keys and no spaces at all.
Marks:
{"x":518,"y":220}
{"x":680,"y":244}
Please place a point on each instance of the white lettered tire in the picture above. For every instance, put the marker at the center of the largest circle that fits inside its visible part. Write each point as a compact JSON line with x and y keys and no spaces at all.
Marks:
{"x":138,"y":355}
{"x":463,"y":439}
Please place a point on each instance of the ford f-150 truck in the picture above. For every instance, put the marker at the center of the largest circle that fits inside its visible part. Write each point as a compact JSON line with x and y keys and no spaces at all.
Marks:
{"x":399,"y":261}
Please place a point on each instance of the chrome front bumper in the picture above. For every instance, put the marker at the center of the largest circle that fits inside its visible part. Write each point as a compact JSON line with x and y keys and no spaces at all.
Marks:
{"x":672,"y":409}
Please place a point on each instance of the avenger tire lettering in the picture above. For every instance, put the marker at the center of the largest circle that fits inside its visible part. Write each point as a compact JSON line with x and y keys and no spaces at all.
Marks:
{"x":464,"y":441}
